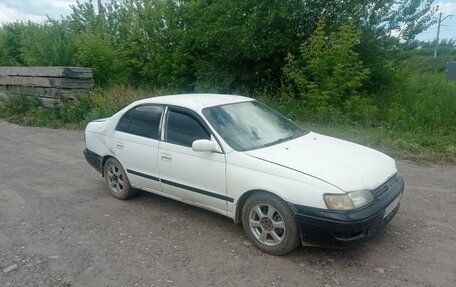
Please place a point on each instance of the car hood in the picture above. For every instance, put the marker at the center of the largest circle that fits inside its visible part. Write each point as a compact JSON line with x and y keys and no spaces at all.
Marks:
{"x":343,"y":164}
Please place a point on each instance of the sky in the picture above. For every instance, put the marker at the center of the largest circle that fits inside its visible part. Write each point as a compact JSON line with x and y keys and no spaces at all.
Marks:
{"x":36,"y":11}
{"x":448,"y":27}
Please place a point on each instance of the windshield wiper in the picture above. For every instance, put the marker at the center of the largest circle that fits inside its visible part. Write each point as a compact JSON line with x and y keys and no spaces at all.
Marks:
{"x":278,"y":141}
{"x":281,"y":140}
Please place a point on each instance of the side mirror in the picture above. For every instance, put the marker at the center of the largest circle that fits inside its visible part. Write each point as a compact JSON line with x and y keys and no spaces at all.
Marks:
{"x":204,"y":146}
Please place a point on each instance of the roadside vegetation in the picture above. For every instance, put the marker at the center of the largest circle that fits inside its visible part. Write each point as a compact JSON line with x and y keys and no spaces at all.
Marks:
{"x":339,"y":75}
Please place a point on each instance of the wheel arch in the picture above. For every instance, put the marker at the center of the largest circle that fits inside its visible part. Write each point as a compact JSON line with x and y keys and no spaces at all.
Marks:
{"x":103,"y":162}
{"x":241,"y":201}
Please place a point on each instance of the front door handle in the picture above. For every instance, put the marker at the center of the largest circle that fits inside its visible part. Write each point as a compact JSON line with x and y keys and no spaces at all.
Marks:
{"x":166,"y":157}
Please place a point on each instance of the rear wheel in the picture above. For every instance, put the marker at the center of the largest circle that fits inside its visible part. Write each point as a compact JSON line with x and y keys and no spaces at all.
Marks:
{"x":116,"y":180}
{"x":270,"y":224}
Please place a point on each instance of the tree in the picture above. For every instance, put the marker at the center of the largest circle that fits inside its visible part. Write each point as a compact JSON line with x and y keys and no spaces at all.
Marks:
{"x":10,"y":43}
{"x":48,"y":44}
{"x":210,"y":45}
{"x":98,"y":52}
{"x":327,"y":72}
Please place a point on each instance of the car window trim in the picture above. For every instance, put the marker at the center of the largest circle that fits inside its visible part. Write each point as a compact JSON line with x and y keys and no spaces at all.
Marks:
{"x":197,"y":117}
{"x":183,"y":112}
{"x":163,"y":122}
{"x":133,"y":110}
{"x":122,"y":117}
{"x":305,"y":131}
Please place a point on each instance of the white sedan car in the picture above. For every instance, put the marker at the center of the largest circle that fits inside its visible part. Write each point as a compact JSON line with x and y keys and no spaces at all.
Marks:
{"x":236,"y":156}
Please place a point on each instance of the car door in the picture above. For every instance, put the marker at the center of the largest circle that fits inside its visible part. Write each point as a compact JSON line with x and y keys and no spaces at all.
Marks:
{"x":197,"y":177}
{"x":135,"y":145}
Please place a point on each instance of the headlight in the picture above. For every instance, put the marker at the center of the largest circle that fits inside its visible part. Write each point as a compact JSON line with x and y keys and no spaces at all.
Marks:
{"x":338,"y":201}
{"x":349,"y":200}
{"x":361,"y":197}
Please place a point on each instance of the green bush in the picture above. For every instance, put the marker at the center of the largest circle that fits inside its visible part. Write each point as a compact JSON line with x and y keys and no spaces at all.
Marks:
{"x":327,"y":74}
{"x":287,"y":104}
{"x":98,"y":52}
{"x":99,"y":103}
{"x":20,"y":104}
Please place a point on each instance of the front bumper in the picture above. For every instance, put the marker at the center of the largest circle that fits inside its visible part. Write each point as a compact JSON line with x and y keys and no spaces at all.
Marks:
{"x":329,"y":228}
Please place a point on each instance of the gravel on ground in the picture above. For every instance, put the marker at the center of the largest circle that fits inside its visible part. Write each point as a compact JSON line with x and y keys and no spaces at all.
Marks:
{"x":59,"y":224}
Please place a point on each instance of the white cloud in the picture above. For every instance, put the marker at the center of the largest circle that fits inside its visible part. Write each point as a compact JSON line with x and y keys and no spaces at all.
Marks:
{"x":36,"y":10}
{"x":447,"y":8}
{"x":8,"y":14}
{"x":62,"y":4}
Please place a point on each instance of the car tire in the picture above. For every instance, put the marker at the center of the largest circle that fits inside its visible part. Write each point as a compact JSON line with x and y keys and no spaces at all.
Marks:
{"x":270,"y":224}
{"x":117,"y":181}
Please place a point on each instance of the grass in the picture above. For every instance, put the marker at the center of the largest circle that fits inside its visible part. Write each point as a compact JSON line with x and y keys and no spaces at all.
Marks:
{"x":400,"y":145}
{"x":419,"y":117}
{"x":415,"y":120}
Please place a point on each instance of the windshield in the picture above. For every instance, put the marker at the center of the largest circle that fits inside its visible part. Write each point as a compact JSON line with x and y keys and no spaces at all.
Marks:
{"x":251,"y":125}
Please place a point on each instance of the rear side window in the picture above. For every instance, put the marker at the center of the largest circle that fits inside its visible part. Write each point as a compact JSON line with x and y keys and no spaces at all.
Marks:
{"x":183,"y":129}
{"x":142,"y":121}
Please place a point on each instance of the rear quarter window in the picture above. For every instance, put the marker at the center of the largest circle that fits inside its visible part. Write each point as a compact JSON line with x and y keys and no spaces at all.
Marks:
{"x":142,"y":121}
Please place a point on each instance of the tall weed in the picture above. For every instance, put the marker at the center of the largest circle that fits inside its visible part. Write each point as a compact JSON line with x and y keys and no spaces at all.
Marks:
{"x":424,"y":102}
{"x":20,"y":104}
{"x":70,"y":113}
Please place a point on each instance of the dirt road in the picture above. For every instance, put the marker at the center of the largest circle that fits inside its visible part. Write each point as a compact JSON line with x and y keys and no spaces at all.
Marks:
{"x":58,"y":224}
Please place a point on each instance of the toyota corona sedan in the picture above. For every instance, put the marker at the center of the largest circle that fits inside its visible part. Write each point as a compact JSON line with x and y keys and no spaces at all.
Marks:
{"x":236,"y":156}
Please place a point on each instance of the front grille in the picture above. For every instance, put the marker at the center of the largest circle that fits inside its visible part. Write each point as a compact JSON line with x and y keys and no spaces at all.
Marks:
{"x":385,"y":188}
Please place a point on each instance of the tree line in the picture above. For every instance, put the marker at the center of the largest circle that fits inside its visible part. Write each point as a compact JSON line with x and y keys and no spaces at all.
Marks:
{"x":336,"y":47}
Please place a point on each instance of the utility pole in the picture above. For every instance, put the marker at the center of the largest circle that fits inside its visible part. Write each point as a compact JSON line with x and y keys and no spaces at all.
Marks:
{"x":438,"y":34}
{"x":436,"y":48}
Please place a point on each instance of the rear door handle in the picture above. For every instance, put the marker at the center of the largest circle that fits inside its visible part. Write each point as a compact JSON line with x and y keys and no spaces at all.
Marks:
{"x":166,"y":157}
{"x":119,"y":145}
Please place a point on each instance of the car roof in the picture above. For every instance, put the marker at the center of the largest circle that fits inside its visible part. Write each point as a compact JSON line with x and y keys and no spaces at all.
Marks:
{"x":195,"y":101}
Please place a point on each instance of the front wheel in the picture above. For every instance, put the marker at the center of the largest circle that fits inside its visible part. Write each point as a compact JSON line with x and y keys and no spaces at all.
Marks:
{"x":116,"y":180}
{"x":270,"y":224}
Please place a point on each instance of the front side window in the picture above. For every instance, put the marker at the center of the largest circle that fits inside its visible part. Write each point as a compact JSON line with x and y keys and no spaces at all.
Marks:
{"x":250,"y":125}
{"x":142,"y":121}
{"x":184,"y":129}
